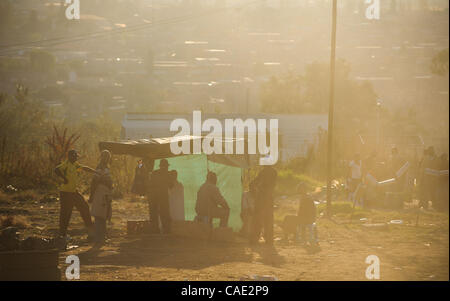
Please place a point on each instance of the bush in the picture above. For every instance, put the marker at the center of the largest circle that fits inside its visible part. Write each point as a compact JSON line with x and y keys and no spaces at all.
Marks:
{"x":42,"y":61}
{"x":13,"y":221}
{"x":343,"y":208}
{"x":288,"y":180}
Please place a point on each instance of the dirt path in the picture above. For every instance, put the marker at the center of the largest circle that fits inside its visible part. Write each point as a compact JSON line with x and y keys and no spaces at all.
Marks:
{"x":406,"y":252}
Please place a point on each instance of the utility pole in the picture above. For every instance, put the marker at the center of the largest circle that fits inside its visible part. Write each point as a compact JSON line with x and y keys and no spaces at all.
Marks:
{"x":378,"y":125}
{"x":331,"y":107}
{"x":247,"y":98}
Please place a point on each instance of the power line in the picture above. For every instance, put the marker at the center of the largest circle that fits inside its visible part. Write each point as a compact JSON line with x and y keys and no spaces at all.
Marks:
{"x":87,"y":36}
{"x":61,"y":38}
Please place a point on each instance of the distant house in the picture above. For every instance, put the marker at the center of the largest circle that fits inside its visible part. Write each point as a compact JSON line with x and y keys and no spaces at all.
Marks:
{"x":296,"y":132}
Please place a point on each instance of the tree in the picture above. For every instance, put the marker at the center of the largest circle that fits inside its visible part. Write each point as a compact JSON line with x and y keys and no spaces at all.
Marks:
{"x":355,"y":101}
{"x":22,"y":118}
{"x":60,"y":144}
{"x":42,"y":61}
{"x":283,"y":94}
{"x":439,"y":63}
{"x":21,"y":93}
{"x":6,"y":15}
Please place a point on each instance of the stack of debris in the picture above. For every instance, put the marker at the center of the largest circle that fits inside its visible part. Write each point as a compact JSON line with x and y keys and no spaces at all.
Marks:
{"x":10,"y":241}
{"x":32,"y":258}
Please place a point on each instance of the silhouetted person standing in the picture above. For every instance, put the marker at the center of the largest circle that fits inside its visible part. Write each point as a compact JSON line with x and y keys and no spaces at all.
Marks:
{"x":396,"y":162}
{"x":426,"y":181}
{"x":176,"y":197}
{"x":140,"y":179}
{"x":443,"y":187}
{"x":306,"y":215}
{"x":159,"y":198}
{"x":248,"y":209}
{"x":69,"y":196}
{"x":354,"y":177}
{"x":101,"y":197}
{"x":263,"y":219}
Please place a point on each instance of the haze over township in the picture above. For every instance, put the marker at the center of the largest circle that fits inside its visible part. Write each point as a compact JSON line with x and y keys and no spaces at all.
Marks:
{"x":224,"y":140}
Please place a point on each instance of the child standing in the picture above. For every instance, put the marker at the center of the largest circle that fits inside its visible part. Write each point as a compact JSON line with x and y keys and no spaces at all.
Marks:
{"x":306,"y":217}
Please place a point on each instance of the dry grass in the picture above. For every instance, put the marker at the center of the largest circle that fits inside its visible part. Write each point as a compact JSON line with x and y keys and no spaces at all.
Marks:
{"x":406,"y":251}
{"x":18,"y":221}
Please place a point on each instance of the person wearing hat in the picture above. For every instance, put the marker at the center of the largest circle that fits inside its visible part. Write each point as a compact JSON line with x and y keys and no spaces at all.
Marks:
{"x":69,"y":171}
{"x":158,"y":197}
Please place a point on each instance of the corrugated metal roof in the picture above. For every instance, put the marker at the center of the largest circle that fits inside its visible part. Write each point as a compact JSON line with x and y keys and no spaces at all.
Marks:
{"x":296,"y":132}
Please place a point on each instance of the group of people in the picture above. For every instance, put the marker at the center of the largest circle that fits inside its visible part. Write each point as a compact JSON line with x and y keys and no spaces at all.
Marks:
{"x":163,"y":191}
{"x":210,"y":203}
{"x":166,"y":197}
{"x":161,"y":186}
{"x":432,"y":186}
{"x":166,"y":200}
{"x":99,"y":199}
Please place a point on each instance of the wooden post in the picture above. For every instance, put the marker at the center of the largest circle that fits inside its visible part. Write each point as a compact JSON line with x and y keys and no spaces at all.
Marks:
{"x":331,"y":107}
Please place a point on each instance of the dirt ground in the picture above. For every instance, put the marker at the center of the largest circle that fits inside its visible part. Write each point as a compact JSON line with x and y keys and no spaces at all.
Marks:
{"x":406,"y":251}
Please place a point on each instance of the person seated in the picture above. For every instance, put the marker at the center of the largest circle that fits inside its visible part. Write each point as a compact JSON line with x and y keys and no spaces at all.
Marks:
{"x":210,"y":202}
{"x":306,"y":217}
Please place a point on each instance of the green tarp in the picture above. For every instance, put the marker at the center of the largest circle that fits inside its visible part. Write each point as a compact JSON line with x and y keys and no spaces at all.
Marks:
{"x":192,"y":169}
{"x":192,"y":172}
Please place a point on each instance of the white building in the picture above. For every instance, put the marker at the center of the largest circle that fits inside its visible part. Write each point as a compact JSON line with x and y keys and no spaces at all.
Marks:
{"x":296,"y":132}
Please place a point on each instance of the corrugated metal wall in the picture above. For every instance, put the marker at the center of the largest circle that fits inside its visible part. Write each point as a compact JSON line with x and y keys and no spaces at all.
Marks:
{"x":296,"y":132}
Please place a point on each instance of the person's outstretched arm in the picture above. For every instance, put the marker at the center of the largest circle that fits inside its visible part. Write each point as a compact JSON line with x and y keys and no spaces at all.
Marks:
{"x":88,"y":169}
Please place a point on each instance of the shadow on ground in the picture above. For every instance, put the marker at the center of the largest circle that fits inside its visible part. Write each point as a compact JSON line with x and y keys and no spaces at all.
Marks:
{"x":163,"y":251}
